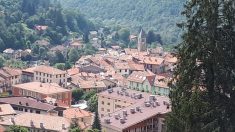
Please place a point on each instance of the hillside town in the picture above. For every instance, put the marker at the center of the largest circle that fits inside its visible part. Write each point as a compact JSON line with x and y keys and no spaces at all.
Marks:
{"x":125,"y":89}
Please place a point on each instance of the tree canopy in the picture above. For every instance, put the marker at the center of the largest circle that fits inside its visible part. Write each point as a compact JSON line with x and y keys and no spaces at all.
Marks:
{"x":19,"y":19}
{"x":160,"y":15}
{"x":203,"y":91}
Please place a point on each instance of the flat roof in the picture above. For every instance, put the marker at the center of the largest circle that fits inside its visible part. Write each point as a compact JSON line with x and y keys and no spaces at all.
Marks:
{"x":138,"y":116}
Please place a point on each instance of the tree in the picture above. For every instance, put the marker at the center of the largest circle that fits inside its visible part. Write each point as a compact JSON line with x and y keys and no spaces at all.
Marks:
{"x":15,"y":128}
{"x":92,"y":103}
{"x":60,"y":66}
{"x":77,"y":94}
{"x":73,"y":55}
{"x":152,"y":37}
{"x":202,"y":95}
{"x":74,"y":126}
{"x":59,"y":57}
{"x":124,"y":35}
{"x":2,"y":61}
{"x":96,"y":124}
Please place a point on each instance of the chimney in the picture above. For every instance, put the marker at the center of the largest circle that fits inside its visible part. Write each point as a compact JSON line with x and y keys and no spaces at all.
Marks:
{"x":13,"y":120}
{"x":122,"y":121}
{"x":132,"y":110}
{"x":41,"y":125}
{"x":31,"y":123}
{"x":63,"y":126}
{"x":117,"y":116}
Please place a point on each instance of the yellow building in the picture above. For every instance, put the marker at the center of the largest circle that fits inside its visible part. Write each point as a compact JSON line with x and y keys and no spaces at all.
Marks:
{"x":47,"y":74}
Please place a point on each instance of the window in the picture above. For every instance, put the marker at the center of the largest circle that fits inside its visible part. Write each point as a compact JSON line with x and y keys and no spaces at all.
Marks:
{"x":102,"y":102}
{"x":108,"y":103}
{"x":31,"y":111}
{"x":25,"y":110}
{"x":102,"y":109}
{"x":36,"y":78}
{"x":20,"y":109}
{"x":20,"y":91}
{"x":125,"y":70}
{"x":102,"y":115}
{"x":37,"y":112}
{"x":15,"y":108}
{"x":82,"y":119}
{"x":108,"y":110}
{"x":120,"y":70}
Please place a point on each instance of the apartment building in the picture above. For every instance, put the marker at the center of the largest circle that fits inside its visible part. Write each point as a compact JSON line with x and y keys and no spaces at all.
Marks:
{"x":43,"y":90}
{"x":145,"y":114}
{"x":146,"y":81}
{"x":49,"y":74}
{"x":9,"y":77}
{"x":45,"y":74}
{"x":118,"y":98}
{"x":84,"y":118}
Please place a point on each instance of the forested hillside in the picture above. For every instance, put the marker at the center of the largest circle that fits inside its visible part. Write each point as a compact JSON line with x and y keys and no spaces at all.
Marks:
{"x":160,"y":15}
{"x":18,"y":19}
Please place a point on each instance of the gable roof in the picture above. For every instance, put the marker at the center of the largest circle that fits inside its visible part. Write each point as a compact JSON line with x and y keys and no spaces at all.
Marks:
{"x":43,"y":88}
{"x":6,"y":109}
{"x":141,"y":76}
{"x":48,"y":70}
{"x":27,"y":102}
{"x":53,"y":123}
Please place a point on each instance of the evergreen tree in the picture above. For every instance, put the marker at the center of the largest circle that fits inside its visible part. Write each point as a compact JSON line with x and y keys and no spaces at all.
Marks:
{"x":96,"y":124}
{"x":73,"y":55}
{"x":203,"y":93}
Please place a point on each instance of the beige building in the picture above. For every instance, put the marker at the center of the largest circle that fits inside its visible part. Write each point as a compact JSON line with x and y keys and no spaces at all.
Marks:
{"x":84,"y":118}
{"x":143,"y":112}
{"x":43,"y":90}
{"x":37,"y":122}
{"x":116,"y":99}
{"x":47,"y":74}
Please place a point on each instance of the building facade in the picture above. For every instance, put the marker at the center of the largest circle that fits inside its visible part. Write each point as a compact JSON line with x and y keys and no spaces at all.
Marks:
{"x":41,"y":91}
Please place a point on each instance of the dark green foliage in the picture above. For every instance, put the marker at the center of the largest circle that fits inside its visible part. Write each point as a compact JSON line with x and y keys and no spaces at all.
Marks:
{"x":15,"y":128}
{"x":74,"y":126}
{"x":160,"y":15}
{"x":96,"y":124}
{"x":73,"y":55}
{"x":2,"y":61}
{"x":123,"y":34}
{"x":18,"y":19}
{"x":59,"y":57}
{"x":203,"y":92}
{"x":60,"y":66}
{"x":88,"y":95}
{"x":93,"y":103}
{"x":152,"y":37}
{"x":77,"y":94}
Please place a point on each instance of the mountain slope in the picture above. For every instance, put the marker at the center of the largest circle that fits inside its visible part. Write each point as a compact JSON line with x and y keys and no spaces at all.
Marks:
{"x":160,"y":15}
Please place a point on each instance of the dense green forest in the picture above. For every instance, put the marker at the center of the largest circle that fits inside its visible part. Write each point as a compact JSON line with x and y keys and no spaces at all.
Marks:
{"x":18,"y":19}
{"x":160,"y":15}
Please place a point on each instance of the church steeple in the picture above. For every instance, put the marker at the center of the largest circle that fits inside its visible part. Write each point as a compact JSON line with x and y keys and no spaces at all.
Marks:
{"x":141,"y":41}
